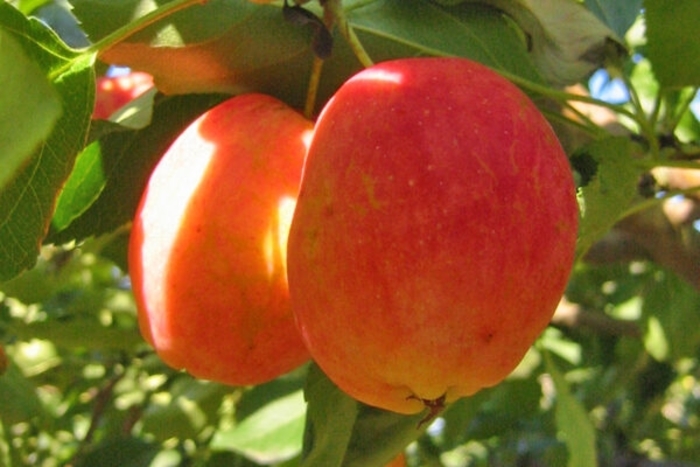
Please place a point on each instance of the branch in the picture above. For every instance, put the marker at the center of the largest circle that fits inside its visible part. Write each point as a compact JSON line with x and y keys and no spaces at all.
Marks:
{"x":573,"y":315}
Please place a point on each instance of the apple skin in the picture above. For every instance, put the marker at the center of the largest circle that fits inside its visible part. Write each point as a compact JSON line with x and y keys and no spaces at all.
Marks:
{"x":114,"y":92}
{"x":434,"y":232}
{"x":207,"y":252}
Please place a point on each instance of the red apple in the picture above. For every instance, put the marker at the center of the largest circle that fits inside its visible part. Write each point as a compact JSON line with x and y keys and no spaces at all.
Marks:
{"x":207,"y":252}
{"x":114,"y":92}
{"x":434,"y":232}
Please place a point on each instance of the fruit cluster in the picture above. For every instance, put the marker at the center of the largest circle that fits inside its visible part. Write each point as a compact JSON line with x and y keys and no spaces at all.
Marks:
{"x":432,"y":236}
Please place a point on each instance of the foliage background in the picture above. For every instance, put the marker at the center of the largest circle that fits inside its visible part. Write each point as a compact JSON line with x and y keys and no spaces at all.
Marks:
{"x":613,"y":381}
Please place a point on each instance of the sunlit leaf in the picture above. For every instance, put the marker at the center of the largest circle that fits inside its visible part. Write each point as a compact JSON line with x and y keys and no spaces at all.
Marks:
{"x":272,"y":434}
{"x":29,"y":107}
{"x":81,"y":333}
{"x":610,"y":192}
{"x":111,"y":173}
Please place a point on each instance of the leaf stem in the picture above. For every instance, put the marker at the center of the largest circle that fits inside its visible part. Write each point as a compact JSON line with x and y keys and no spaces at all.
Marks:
{"x":673,"y":163}
{"x":590,"y":129}
{"x":564,"y":97}
{"x":139,"y":24}
{"x":682,"y":109}
{"x":651,"y":202}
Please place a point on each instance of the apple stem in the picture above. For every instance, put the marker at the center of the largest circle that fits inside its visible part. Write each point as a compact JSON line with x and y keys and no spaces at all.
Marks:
{"x":312,"y":89}
{"x":346,"y":30}
{"x":434,"y":406}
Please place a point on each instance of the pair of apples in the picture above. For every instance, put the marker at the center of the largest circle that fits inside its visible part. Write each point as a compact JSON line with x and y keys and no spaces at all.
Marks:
{"x":433,"y":224}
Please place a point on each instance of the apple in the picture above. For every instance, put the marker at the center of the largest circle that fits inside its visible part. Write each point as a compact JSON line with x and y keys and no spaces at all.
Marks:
{"x":207,"y":252}
{"x":434,"y":233}
{"x":398,"y":461}
{"x":114,"y":92}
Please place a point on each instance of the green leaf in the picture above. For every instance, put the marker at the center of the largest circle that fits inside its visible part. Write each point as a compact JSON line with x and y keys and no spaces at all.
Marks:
{"x":495,"y":410}
{"x":28,"y":6}
{"x":392,"y":29}
{"x":671,"y":308}
{"x":93,"y":168}
{"x":257,"y":397}
{"x":236,"y":45}
{"x":111,"y":173}
{"x":18,"y":399}
{"x":330,"y":418}
{"x":121,"y":452}
{"x":619,"y":15}
{"x":228,"y":46}
{"x":567,"y":41}
{"x":573,"y":422}
{"x":378,"y":436}
{"x":271,"y":435}
{"x":609,"y":194}
{"x":81,"y":333}
{"x":189,"y":406}
{"x":343,"y":432}
{"x":672,"y":44}
{"x":29,"y":107}
{"x":27,"y":202}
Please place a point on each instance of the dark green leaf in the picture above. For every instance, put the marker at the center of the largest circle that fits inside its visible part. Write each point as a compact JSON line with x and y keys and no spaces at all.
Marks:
{"x":500,"y":408}
{"x":121,"y":452}
{"x":672,"y":45}
{"x":330,"y":418}
{"x":27,"y":202}
{"x":343,"y":432}
{"x":378,"y":436}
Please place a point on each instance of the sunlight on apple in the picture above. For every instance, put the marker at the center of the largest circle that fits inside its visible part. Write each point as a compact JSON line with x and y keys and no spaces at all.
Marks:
{"x":378,"y":75}
{"x":164,"y":229}
{"x":306,"y":138}
{"x":275,"y":242}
